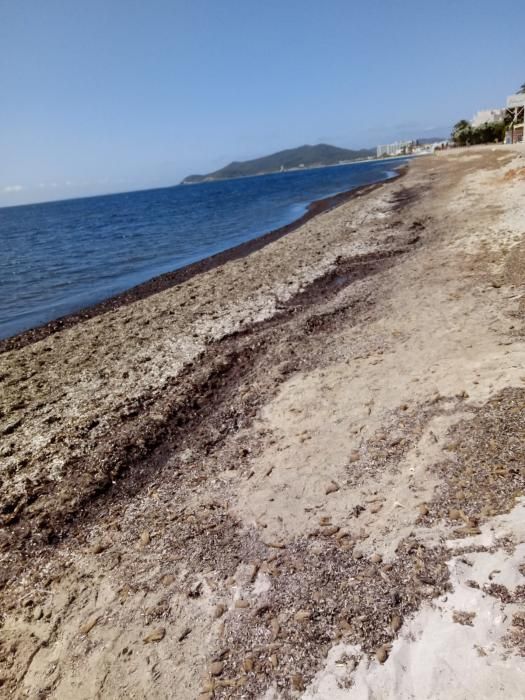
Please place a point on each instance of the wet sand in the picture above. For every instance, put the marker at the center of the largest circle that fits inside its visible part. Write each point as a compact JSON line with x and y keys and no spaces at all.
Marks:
{"x":265,"y":479}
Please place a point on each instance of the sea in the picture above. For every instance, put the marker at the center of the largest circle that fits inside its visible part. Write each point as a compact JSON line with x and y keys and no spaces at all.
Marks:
{"x":59,"y":257}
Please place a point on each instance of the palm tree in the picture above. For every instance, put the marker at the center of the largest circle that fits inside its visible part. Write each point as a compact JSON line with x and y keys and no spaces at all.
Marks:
{"x":521,"y":91}
{"x":462,"y":124}
{"x":462,"y":133}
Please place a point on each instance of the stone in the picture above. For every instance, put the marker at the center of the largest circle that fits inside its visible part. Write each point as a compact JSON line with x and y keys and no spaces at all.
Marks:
{"x":355,"y":456}
{"x":332,"y":487}
{"x":144,"y":539}
{"x":423,"y":509}
{"x":395,"y":623}
{"x":240,"y":603}
{"x":302,"y":615}
{"x":155,"y":635}
{"x":247,"y":664}
{"x":88,"y":625}
{"x":216,"y":668}
{"x":382,"y":654}
{"x":297,"y":681}
{"x":219,"y":611}
{"x":376,"y":558}
{"x":329,"y":531}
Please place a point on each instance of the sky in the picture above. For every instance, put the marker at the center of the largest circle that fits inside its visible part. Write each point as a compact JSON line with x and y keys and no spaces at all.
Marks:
{"x":100,"y":96}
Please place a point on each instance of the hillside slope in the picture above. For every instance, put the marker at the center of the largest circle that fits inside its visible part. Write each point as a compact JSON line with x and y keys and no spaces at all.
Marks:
{"x":307,"y":156}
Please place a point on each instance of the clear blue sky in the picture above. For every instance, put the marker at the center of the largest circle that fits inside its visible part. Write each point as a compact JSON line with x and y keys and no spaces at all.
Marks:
{"x":110,"y":95}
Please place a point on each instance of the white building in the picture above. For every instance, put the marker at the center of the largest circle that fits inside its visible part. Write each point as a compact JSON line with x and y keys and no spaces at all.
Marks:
{"x":399,"y":148}
{"x":488,"y":116}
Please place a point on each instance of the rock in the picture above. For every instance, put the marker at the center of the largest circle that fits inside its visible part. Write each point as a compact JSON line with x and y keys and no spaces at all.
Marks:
{"x":275,"y":627}
{"x":382,"y":654}
{"x":332,"y":487}
{"x":376,"y":558}
{"x":329,"y":531}
{"x":155,"y":636}
{"x":187,"y":456}
{"x":355,"y":456}
{"x":240,"y":603}
{"x":195,"y":590}
{"x":297,"y":681}
{"x":395,"y":623}
{"x":37,"y":613}
{"x":216,"y":668}
{"x":88,"y":625}
{"x":168,"y":579}
{"x":98,"y":547}
{"x":144,"y":539}
{"x":219,"y":611}
{"x":518,"y":619}
{"x":376,"y":507}
{"x":247,"y":664}
{"x":455,"y":514}
{"x":302,"y":615}
{"x":423,"y":509}
{"x":185,"y":632}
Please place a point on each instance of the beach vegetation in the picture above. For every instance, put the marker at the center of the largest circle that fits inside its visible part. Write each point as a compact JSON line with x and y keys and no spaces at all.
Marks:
{"x":464,"y":134}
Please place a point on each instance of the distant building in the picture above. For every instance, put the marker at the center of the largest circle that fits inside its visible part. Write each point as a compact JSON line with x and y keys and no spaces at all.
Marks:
{"x":488,"y":116}
{"x":399,"y":148}
{"x":515,"y":118}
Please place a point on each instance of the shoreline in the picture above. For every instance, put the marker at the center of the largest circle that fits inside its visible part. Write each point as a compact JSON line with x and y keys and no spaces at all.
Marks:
{"x":175,"y":277}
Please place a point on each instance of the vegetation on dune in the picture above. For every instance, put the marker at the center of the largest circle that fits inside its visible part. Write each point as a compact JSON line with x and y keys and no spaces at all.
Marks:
{"x":463,"y":134}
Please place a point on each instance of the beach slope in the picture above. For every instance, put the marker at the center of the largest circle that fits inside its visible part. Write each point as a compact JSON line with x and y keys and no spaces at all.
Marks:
{"x":300,"y":473}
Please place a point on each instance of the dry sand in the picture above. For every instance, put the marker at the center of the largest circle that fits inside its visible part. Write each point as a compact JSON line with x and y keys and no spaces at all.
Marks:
{"x":298,"y":474}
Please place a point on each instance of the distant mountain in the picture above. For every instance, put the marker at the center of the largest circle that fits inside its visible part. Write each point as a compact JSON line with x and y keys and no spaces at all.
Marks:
{"x":302,"y":157}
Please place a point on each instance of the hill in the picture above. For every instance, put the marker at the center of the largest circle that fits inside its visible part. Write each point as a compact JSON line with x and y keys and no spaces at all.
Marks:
{"x":303,"y":156}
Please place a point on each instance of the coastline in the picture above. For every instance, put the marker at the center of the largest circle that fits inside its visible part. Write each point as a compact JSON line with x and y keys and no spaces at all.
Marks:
{"x":295,"y":474}
{"x":173,"y":278}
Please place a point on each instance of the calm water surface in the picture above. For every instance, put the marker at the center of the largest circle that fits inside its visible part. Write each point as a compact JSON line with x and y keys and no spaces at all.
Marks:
{"x":61,"y":256}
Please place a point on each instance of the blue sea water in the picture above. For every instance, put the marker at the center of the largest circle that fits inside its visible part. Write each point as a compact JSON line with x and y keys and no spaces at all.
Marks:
{"x":59,"y":257}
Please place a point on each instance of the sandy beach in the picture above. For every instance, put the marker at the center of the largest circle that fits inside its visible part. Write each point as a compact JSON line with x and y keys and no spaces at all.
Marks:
{"x":295,"y":472}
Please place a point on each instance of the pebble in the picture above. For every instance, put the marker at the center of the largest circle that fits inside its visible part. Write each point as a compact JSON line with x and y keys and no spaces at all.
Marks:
{"x":155,"y":636}
{"x":168,"y":579}
{"x":332,"y":487}
{"x":247,"y":664}
{"x":240,"y":603}
{"x":182,"y":636}
{"x":376,"y":558}
{"x":219,"y":611}
{"x":89,"y":623}
{"x":382,"y":655}
{"x":376,"y":507}
{"x":37,"y":613}
{"x":302,"y":615}
{"x":395,"y":623}
{"x":216,"y":668}
{"x":354,"y":456}
{"x":144,"y":539}
{"x":330,"y":530}
{"x":98,"y":547}
{"x":423,"y":509}
{"x":297,"y":681}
